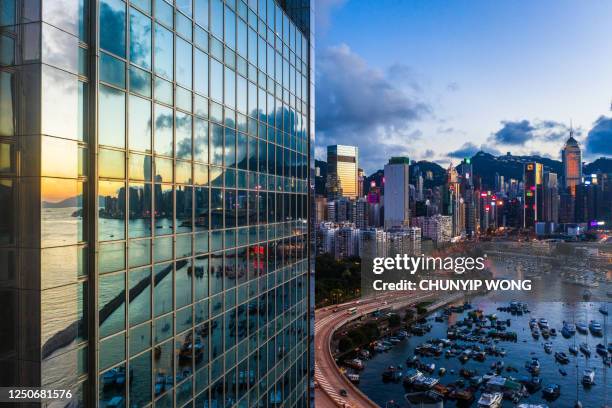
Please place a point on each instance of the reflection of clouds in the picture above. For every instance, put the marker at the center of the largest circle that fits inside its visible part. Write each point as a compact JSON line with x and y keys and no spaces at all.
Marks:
{"x":140,"y":39}
{"x":112,"y":24}
{"x":163,"y":130}
{"x":216,"y":144}
{"x":183,"y":135}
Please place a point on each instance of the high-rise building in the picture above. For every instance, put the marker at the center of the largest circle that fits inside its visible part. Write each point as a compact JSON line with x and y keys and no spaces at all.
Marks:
{"x":154,"y":218}
{"x":397,"y":192}
{"x":572,"y":164}
{"x":342,"y":168}
{"x":550,"y":201}
{"x":533,"y":193}
{"x":360,"y":181}
{"x":438,"y":228}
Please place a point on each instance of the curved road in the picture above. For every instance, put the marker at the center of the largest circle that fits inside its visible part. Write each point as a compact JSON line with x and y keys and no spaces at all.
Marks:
{"x":328,"y":378}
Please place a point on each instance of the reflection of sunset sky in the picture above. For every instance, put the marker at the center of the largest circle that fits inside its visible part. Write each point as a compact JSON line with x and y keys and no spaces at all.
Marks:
{"x":55,"y":190}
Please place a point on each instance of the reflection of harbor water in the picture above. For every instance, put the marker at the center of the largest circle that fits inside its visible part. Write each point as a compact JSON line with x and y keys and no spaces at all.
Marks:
{"x":517,"y":353}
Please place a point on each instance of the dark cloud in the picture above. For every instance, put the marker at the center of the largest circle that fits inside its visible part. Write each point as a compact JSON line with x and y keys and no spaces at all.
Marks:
{"x":599,"y":138}
{"x":359,"y":105}
{"x":517,"y":133}
{"x":514,"y":133}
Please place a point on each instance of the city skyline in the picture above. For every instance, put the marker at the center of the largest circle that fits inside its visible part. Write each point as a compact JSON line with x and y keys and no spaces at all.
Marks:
{"x":462,"y":80}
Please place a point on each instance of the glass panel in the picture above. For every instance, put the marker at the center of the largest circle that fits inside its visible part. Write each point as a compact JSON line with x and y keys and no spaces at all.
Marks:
{"x":111,"y":257}
{"x":8,"y":201}
{"x":139,"y":252}
{"x":162,"y":300}
{"x":163,"y":369}
{"x":216,"y":208}
{"x":112,"y":117}
{"x":202,"y":208}
{"x":230,"y":27}
{"x":200,"y":174}
{"x":183,"y":62}
{"x":183,"y":284}
{"x":140,"y":167}
{"x":140,"y":39}
{"x":163,"y":170}
{"x":216,"y":18}
{"x":140,"y":383}
{"x":201,"y":140}
{"x":201,"y":12}
{"x":164,"y":12}
{"x":61,"y":211}
{"x":112,"y":70}
{"x":230,"y":88}
{"x":184,"y":206}
{"x":216,"y":80}
{"x":183,"y":172}
{"x":140,"y":338}
{"x":163,"y":91}
{"x":164,"y":51}
{"x":140,"y":210}
{"x":143,"y":4}
{"x":201,"y":72}
{"x":183,"y":26}
{"x":163,"y":130}
{"x":163,"y":249}
{"x":112,"y":351}
{"x":163,"y":209}
{"x":216,"y":145}
{"x":183,"y":99}
{"x":57,"y":119}
{"x":59,"y":157}
{"x":111,"y":163}
{"x":139,"y":123}
{"x":61,"y":265}
{"x":111,"y":219}
{"x":139,"y":295}
{"x":114,"y":392}
{"x":7,"y":100}
{"x":112,"y":26}
{"x":140,"y":81}
{"x":111,"y":303}
{"x":183,"y":135}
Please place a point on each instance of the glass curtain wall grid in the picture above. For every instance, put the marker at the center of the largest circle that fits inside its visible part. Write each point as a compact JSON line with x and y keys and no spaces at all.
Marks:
{"x":154,"y":186}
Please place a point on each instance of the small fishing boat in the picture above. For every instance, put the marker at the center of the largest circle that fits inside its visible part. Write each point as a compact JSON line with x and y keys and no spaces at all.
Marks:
{"x":548,"y":347}
{"x":582,"y":327}
{"x":568,"y":330}
{"x":561,"y":357}
{"x":595,"y":328}
{"x":588,"y":377}
{"x":490,"y":400}
{"x":551,"y":391}
{"x":573,"y":349}
{"x":585,"y":349}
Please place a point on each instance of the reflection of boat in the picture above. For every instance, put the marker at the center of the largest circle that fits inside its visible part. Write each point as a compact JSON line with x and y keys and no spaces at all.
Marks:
{"x":490,"y":400}
{"x":573,"y":349}
{"x":603,"y":310}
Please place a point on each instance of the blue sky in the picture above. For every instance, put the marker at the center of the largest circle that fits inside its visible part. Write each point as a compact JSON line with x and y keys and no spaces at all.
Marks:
{"x":439,"y":80}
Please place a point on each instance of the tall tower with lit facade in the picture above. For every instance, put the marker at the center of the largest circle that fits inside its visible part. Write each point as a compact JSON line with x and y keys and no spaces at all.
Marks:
{"x":397,"y":192}
{"x":343,"y":165}
{"x":572,"y":164}
{"x":533,"y":175}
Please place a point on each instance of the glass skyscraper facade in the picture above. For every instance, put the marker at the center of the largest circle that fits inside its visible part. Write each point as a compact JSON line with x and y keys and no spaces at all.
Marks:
{"x":155,"y":164}
{"x":343,"y":166}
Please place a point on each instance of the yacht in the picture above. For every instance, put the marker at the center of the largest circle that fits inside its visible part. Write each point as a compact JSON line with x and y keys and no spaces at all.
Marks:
{"x":582,"y":327}
{"x":595,"y":328}
{"x":543,"y":323}
{"x":552,"y":391}
{"x":490,"y":400}
{"x":573,"y":349}
{"x":568,"y":330}
{"x":548,"y":347}
{"x":561,"y":357}
{"x":588,"y":376}
{"x":586,"y":350}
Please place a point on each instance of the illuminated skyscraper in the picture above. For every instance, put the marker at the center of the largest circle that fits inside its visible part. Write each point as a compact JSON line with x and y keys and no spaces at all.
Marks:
{"x":397,"y":192}
{"x":342,"y":166}
{"x":533,"y":179}
{"x":155,"y":164}
{"x":572,"y":164}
